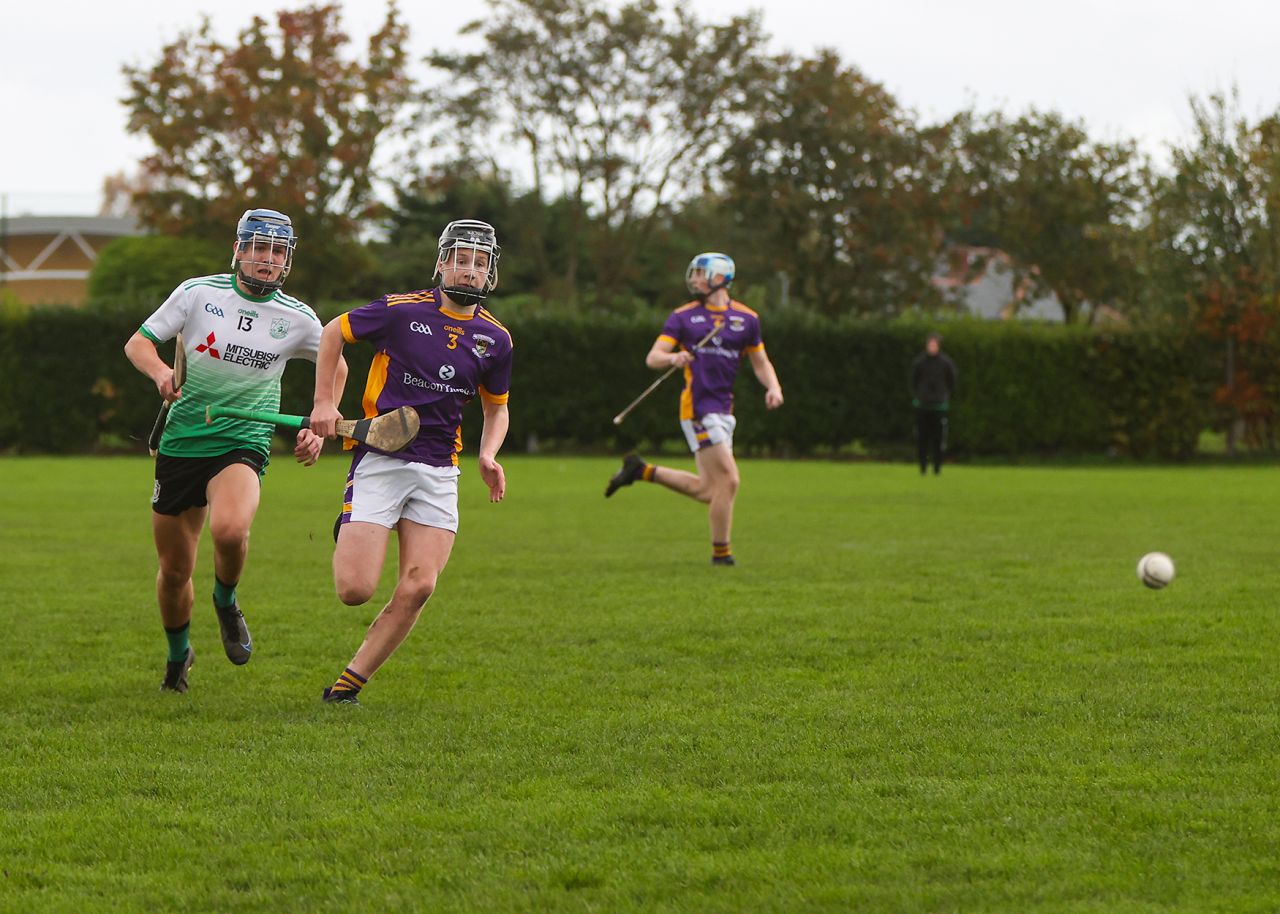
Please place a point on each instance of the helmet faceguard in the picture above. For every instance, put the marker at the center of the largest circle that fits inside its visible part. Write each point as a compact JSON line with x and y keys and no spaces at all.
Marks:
{"x":715,"y":268}
{"x":478,"y":238}
{"x":260,"y":235}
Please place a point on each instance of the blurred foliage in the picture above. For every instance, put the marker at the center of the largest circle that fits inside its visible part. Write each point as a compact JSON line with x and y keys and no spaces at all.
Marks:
{"x":617,"y":112}
{"x":1222,"y":209}
{"x":1024,"y":389}
{"x":139,"y":273}
{"x":842,"y":190}
{"x":610,"y":142}
{"x":281,"y":118}
{"x":1060,"y":204}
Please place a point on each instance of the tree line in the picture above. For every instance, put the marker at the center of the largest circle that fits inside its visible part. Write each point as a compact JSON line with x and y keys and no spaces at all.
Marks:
{"x":608,"y":142}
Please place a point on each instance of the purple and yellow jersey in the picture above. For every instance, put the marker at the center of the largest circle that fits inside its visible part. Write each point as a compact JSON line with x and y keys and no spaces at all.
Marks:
{"x":708,"y":380}
{"x":433,"y":359}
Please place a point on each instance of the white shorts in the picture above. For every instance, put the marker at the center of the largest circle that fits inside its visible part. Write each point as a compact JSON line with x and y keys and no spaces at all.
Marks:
{"x":382,"y":490}
{"x":713,"y":428}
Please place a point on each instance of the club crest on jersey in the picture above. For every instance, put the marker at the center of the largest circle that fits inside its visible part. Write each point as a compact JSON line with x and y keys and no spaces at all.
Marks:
{"x":482,"y":344}
{"x":279,"y":328}
{"x":737,"y":324}
{"x":446,"y":372}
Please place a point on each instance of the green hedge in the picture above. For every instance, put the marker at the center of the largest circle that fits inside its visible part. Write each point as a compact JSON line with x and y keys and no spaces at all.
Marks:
{"x":1024,"y":389}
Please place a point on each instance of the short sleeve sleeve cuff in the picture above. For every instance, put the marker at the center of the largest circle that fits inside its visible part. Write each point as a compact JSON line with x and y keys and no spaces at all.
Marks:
{"x":495,"y":399}
{"x":345,"y":323}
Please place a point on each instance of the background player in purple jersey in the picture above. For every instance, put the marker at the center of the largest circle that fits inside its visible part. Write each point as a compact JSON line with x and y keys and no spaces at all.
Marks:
{"x":437,"y":348}
{"x":706,"y":403}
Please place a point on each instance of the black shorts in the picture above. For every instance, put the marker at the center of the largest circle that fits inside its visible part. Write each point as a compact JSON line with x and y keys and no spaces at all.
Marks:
{"x":181,"y":481}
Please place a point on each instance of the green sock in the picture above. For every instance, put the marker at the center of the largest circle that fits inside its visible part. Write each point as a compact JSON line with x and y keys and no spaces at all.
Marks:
{"x":224,"y":595}
{"x":179,"y":642}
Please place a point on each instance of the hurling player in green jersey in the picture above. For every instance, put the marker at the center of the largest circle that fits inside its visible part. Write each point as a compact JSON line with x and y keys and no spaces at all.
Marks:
{"x":239,"y":330}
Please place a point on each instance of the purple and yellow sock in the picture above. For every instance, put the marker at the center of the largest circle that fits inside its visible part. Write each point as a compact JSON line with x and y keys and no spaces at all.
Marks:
{"x":721,"y":550}
{"x":349,"y":681}
{"x":647,"y":473}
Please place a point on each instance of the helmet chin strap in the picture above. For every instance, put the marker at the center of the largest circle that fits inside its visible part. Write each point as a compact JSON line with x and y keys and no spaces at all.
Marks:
{"x":257,"y":286}
{"x":465,"y":295}
{"x":703,"y":296}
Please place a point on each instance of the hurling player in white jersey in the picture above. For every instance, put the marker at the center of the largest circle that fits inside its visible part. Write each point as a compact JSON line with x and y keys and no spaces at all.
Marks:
{"x":239,"y":329}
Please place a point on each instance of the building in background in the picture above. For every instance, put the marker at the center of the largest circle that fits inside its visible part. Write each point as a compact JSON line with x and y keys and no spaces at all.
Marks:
{"x":981,"y":279}
{"x":46,"y":260}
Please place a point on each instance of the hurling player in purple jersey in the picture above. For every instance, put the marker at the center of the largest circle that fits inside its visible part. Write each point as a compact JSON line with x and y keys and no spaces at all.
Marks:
{"x":437,"y":348}
{"x":706,"y":403}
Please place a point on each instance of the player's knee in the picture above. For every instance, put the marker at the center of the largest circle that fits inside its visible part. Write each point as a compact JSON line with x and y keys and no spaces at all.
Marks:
{"x":354,"y":596}
{"x":726,"y":487}
{"x":174,"y":574}
{"x":228,"y":534}
{"x":353,"y":591}
{"x":416,"y":586}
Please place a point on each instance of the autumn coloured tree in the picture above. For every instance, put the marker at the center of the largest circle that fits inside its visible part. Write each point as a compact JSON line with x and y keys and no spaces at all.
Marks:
{"x":283,"y":117}
{"x":1221,"y":210}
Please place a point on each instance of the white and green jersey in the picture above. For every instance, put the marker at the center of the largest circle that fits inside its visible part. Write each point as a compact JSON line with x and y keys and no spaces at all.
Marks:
{"x":237,"y":345}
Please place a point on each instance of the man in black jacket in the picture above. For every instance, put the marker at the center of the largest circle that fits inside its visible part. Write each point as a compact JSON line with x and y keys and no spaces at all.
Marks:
{"x":933,"y":381}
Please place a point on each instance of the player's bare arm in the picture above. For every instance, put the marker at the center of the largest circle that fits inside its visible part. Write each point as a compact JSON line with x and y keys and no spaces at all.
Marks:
{"x":496,"y":422}
{"x":142,"y":353}
{"x":324,"y":410}
{"x":767,"y":377}
{"x":308,"y":446}
{"x":663,"y":354}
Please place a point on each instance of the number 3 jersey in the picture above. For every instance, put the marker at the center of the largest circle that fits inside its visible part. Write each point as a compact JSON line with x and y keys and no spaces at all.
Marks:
{"x":434,"y":359}
{"x":237,"y":345}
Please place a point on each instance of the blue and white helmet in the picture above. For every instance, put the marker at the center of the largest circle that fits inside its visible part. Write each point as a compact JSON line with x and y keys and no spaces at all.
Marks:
{"x":263,"y":226}
{"x":716,"y":268}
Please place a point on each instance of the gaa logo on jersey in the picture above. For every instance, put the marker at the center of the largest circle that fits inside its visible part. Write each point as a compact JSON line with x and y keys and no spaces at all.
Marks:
{"x":279,"y":328}
{"x":446,"y":372}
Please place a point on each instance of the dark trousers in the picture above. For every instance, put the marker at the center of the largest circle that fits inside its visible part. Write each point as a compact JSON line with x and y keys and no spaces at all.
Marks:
{"x":931,"y":437}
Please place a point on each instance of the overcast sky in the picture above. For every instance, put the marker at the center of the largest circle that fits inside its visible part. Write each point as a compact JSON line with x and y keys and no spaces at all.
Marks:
{"x":1125,"y":67}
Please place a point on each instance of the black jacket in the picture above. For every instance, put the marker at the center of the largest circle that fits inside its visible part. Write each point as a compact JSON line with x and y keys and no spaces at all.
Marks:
{"x":933,"y":380}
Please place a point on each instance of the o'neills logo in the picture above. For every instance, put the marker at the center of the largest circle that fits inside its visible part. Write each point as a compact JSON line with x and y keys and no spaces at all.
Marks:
{"x":436,"y":386}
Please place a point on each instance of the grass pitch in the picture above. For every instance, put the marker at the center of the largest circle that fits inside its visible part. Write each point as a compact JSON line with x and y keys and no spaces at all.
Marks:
{"x":913,"y":694}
